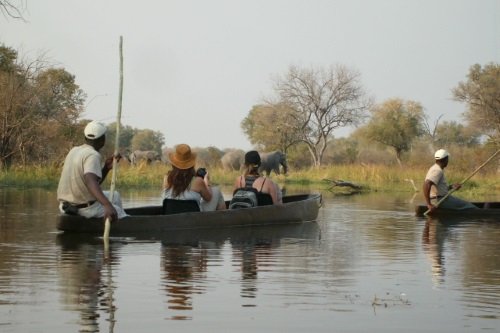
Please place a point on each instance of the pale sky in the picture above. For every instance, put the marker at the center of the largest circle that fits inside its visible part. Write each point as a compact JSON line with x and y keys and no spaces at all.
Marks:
{"x":194,"y":69}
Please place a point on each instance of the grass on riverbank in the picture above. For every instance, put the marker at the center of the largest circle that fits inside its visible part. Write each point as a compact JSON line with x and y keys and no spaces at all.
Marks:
{"x":369,"y":177}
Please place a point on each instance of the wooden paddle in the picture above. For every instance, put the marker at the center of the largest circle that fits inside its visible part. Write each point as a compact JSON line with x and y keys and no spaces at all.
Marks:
{"x":465,"y":180}
{"x":107,"y":224}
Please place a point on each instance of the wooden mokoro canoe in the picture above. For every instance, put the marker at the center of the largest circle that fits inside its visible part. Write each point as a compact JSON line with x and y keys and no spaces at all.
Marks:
{"x":245,"y":235}
{"x":295,"y":209}
{"x":486,"y":209}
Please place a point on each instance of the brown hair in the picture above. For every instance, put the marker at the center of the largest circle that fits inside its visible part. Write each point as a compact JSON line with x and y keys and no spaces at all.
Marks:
{"x":179,"y":179}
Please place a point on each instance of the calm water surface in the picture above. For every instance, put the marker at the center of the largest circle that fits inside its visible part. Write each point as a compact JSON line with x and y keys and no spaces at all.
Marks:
{"x":367,"y":264}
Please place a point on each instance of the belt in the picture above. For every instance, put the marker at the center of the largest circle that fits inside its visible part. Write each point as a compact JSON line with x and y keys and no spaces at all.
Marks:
{"x":438,"y":197}
{"x":84,"y":205}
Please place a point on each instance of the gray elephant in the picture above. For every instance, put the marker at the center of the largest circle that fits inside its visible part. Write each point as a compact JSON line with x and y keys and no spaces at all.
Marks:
{"x":271,"y":162}
{"x":233,"y":160}
{"x":148,"y":156}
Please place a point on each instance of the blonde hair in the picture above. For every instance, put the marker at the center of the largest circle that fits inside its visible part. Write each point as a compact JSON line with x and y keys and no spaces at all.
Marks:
{"x":251,"y":169}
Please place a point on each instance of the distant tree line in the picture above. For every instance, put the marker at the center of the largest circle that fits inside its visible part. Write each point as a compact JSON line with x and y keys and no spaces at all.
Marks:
{"x":311,"y":103}
{"x":132,"y":139}
{"x":41,"y":109}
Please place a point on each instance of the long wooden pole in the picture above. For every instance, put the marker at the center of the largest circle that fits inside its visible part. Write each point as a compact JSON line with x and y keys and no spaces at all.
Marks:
{"x":107,"y":224}
{"x":465,"y":180}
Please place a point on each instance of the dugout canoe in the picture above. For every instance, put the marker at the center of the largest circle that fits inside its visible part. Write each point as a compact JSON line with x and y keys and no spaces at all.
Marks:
{"x":295,"y":209}
{"x":487,"y":209}
{"x":212,"y":237}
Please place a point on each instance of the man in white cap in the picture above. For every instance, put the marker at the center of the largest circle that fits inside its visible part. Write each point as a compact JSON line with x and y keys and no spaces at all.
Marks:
{"x":79,"y":191}
{"x":436,"y":186}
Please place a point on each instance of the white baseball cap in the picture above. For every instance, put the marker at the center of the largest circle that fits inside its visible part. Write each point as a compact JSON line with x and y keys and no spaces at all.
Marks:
{"x":95,"y":130}
{"x":440,"y":154}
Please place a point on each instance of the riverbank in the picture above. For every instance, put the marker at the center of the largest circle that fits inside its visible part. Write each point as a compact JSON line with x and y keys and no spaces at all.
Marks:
{"x":367,"y":177}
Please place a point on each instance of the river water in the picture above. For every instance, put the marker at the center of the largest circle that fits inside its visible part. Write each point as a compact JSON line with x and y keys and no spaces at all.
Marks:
{"x":366,"y":264}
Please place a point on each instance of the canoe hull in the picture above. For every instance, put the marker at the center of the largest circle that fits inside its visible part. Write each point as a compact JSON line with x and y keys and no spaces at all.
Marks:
{"x":493,"y":210}
{"x":295,"y":209}
{"x":255,"y":234}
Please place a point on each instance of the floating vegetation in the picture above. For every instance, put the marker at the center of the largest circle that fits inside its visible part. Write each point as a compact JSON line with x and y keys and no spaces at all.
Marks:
{"x":394,"y":301}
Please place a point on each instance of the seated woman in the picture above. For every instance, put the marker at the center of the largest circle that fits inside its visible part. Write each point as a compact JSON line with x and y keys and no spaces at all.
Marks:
{"x":252,"y":178}
{"x":181,"y":182}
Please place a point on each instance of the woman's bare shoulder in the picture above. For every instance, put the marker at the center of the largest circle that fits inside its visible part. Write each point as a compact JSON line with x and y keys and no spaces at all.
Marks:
{"x":197,"y":183}
{"x":269,"y":183}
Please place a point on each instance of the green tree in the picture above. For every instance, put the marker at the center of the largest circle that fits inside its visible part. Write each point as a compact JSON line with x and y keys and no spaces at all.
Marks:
{"x":58,"y":95}
{"x":322,"y":100}
{"x":208,"y":157}
{"x":12,"y":82}
{"x":127,"y":133}
{"x":148,"y":140}
{"x":342,"y":151}
{"x":448,"y":133}
{"x":59,"y":104}
{"x":395,"y":123}
{"x":270,"y":127}
{"x":8,"y":59}
{"x":481,"y":94}
{"x":39,"y":108}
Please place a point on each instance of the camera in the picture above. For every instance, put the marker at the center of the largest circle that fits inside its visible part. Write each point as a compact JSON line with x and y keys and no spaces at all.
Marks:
{"x":69,"y":209}
{"x":201,"y":172}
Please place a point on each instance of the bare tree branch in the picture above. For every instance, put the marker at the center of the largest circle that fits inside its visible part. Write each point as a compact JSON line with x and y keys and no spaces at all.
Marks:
{"x":323,"y":100}
{"x":14,"y":10}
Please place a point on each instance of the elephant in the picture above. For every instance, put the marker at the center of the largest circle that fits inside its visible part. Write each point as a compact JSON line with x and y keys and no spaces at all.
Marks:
{"x":271,"y":162}
{"x":233,"y":160}
{"x":144,"y":155}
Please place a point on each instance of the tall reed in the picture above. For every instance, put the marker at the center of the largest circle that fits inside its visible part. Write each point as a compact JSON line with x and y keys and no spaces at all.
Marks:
{"x":369,"y":177}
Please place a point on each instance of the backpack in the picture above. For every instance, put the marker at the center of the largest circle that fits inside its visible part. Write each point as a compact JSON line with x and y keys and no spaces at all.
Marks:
{"x":244,"y":197}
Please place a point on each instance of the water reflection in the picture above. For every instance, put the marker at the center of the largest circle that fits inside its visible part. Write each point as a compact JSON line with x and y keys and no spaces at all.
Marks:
{"x":86,"y":279}
{"x":433,"y":242}
{"x":86,"y":272}
{"x":246,"y":259}
{"x":474,"y":244}
{"x":289,"y":278}
{"x":187,"y":255}
{"x":183,"y":269}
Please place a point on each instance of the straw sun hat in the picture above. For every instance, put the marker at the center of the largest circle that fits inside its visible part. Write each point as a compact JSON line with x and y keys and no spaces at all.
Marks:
{"x":183,"y":158}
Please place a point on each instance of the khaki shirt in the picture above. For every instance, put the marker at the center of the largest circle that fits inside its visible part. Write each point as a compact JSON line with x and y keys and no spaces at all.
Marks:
{"x":436,"y":175}
{"x":80,"y":160}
